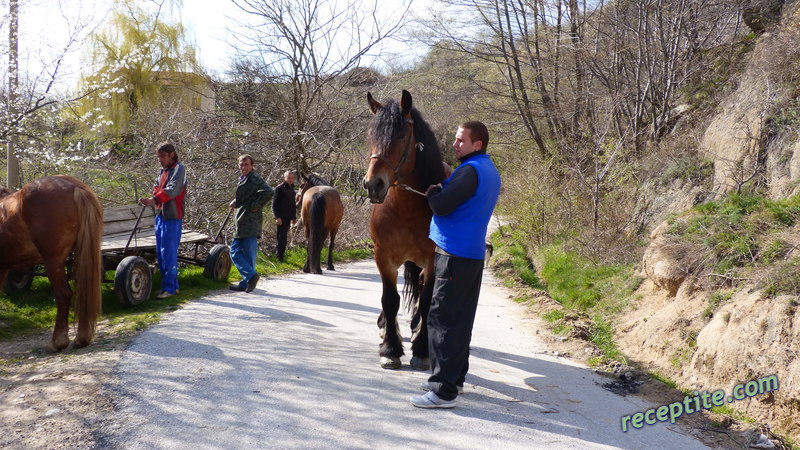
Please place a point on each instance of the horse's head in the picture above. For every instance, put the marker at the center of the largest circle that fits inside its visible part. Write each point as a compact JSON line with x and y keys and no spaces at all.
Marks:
{"x":311,"y":180}
{"x":391,"y":143}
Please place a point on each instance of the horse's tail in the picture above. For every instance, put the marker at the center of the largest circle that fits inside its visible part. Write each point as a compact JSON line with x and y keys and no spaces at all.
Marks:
{"x":411,"y":288}
{"x":317,"y":235}
{"x":88,"y":264}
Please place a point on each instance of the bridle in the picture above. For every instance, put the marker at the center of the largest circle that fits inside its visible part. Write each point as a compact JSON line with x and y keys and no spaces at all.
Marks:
{"x":402,"y":162}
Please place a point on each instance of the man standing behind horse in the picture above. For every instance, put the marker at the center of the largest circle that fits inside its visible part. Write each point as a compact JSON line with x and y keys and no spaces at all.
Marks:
{"x":252,"y":194}
{"x":169,"y":193}
{"x":462,"y":206}
{"x":284,"y":208}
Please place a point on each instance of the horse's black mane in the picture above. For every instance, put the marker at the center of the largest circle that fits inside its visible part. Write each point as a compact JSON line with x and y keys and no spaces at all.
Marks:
{"x":388,"y":125}
{"x":316,"y":180}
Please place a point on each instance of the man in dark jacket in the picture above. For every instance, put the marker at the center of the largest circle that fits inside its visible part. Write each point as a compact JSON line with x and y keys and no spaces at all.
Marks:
{"x":284,"y":208}
{"x":252,"y":194}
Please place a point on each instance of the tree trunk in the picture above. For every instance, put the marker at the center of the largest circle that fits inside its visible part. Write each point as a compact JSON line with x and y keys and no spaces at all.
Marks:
{"x":12,"y":163}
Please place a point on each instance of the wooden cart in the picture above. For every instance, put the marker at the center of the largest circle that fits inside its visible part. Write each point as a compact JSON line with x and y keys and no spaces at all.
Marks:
{"x":129,"y":248}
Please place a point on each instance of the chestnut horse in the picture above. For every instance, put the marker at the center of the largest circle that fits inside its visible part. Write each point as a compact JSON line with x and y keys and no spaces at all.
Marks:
{"x":321,"y":213}
{"x":44,"y":223}
{"x":404,"y":160}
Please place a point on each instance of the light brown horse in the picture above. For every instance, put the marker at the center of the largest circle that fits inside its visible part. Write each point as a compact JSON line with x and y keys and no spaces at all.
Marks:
{"x":45,"y":222}
{"x":321,"y":213}
{"x":404,"y":160}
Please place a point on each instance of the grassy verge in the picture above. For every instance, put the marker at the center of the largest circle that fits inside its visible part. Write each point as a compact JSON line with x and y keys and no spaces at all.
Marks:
{"x":34,"y":311}
{"x":580,"y":287}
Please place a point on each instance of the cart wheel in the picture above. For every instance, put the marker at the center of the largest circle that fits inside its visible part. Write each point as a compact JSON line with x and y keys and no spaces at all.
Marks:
{"x":218,"y":263}
{"x":132,"y":281}
{"x":18,"y":280}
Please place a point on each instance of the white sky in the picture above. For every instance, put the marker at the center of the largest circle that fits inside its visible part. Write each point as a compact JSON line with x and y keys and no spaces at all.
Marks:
{"x":44,"y":31}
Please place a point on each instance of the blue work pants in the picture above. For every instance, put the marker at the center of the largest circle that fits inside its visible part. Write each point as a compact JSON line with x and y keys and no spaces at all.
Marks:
{"x":168,"y":237}
{"x":243,"y":254}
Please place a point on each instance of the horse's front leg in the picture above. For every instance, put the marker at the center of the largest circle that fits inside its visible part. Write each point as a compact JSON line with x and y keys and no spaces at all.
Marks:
{"x":63,"y":296}
{"x":391,"y":349}
{"x":3,"y":274}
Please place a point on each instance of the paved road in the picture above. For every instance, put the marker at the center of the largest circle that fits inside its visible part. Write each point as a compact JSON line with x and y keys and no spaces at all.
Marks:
{"x":294,"y":365}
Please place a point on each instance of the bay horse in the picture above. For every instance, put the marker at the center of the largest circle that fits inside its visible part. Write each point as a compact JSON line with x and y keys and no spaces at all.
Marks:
{"x":321,"y":213}
{"x":404,"y":161}
{"x":46,"y":222}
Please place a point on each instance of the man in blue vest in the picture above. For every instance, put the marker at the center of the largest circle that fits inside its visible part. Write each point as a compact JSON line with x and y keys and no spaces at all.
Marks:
{"x":462,"y":206}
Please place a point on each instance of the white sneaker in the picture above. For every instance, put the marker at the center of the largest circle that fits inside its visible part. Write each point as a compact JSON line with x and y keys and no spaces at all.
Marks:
{"x":431,"y":400}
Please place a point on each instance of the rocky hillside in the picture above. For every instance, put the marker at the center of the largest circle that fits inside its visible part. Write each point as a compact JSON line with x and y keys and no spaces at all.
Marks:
{"x":719,"y":306}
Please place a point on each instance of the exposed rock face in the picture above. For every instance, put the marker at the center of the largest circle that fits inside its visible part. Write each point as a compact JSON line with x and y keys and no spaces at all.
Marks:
{"x":783,"y":166}
{"x":747,"y":338}
{"x":736,"y":139}
{"x":663,"y":262}
{"x":732,"y":139}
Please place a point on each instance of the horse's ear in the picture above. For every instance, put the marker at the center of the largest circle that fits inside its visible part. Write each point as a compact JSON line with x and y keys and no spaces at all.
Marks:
{"x":405,"y":102}
{"x":303,"y":176}
{"x":374,"y":105}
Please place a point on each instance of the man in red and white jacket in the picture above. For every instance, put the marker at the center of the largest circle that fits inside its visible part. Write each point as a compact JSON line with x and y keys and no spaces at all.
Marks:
{"x":169,"y":193}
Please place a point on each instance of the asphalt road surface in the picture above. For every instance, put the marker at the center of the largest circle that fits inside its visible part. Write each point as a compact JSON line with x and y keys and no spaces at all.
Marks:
{"x":294,"y":364}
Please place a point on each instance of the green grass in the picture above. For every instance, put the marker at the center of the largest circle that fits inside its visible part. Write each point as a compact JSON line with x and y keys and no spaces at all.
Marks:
{"x":603,"y":338}
{"x":577,"y":283}
{"x":34,"y":311}
{"x":663,"y":379}
{"x":738,"y":231}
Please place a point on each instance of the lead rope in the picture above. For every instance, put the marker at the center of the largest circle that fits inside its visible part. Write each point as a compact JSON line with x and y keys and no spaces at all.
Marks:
{"x":420,"y":147}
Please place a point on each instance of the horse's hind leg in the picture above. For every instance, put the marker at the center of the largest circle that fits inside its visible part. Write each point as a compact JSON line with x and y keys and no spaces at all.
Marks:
{"x":308,"y":251}
{"x":419,"y":337}
{"x":63,"y":296}
{"x":330,"y":250}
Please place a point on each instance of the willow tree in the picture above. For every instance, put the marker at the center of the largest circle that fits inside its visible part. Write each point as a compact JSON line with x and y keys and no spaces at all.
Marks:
{"x":133,"y":58}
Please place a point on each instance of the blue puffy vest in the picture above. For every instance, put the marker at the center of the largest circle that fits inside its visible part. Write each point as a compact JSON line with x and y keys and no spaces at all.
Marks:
{"x":463,"y":231}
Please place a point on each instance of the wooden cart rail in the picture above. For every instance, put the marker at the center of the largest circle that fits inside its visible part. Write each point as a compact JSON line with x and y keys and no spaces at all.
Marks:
{"x":121,"y":231}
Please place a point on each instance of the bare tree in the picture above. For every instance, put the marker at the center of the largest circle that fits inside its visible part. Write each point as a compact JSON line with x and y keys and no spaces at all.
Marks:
{"x":304,"y":58}
{"x":12,"y":162}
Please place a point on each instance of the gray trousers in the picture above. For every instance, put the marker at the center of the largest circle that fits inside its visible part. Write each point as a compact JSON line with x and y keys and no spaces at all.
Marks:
{"x":452,"y":314}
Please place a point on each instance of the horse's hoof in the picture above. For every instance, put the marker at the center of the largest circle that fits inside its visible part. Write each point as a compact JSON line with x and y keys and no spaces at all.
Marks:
{"x":331,"y":268}
{"x":418,"y":363}
{"x":77,"y":343}
{"x":390,"y":362}
{"x":305,"y":269}
{"x":55,"y":348}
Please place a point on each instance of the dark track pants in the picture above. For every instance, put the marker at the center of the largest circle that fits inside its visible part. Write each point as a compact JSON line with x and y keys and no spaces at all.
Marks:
{"x":282,"y":237}
{"x":450,"y":320}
